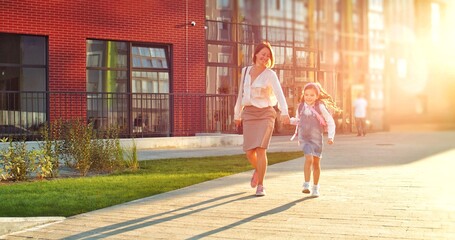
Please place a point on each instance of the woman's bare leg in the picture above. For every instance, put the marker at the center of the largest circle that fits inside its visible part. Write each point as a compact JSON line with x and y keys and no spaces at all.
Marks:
{"x":261,"y":164}
{"x":251,"y":155}
{"x":307,"y":167}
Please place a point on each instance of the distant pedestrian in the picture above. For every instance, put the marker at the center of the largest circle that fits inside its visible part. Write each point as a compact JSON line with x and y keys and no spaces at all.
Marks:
{"x":360,"y":114}
{"x":312,"y":117}
{"x":259,"y":91}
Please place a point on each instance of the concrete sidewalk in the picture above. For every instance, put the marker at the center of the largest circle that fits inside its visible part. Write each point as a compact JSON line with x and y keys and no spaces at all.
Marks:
{"x":382,"y":186}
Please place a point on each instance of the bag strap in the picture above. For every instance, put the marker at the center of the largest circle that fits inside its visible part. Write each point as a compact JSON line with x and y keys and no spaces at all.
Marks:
{"x":318,"y":116}
{"x":297,"y":126}
{"x":313,"y":110}
{"x":243,"y":81}
{"x":300,"y":108}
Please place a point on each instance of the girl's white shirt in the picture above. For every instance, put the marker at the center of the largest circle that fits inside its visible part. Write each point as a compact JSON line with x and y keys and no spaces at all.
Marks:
{"x":325,"y":114}
{"x":264,"y":92}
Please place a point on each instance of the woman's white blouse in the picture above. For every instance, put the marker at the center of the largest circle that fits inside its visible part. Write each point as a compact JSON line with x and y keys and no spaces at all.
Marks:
{"x":264,"y":92}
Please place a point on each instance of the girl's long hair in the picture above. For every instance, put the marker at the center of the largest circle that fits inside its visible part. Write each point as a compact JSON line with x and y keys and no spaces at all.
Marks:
{"x":323,"y":97}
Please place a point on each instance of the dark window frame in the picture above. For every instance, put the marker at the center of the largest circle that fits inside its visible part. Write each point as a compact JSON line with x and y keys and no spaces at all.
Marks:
{"x":138,"y":99}
{"x":24,"y":94}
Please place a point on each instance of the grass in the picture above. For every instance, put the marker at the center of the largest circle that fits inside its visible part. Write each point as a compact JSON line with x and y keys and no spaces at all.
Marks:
{"x":71,"y":196}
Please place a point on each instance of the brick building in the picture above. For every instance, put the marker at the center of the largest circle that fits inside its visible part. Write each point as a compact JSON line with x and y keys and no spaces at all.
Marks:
{"x":129,"y":48}
{"x":171,"y":68}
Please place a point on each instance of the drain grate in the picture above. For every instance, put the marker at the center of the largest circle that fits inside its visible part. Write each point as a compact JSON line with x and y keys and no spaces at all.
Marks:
{"x":385,"y":144}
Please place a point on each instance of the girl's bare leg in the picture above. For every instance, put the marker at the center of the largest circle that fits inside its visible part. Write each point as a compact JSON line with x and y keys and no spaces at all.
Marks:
{"x":307,"y":167}
{"x":316,"y":170}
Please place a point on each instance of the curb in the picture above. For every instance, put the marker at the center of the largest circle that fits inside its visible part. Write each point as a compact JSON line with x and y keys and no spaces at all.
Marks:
{"x":10,"y":225}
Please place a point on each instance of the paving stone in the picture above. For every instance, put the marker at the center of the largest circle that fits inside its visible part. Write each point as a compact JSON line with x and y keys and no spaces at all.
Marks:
{"x":383,"y":186}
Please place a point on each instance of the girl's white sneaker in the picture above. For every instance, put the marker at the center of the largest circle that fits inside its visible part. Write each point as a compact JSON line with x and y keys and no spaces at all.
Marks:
{"x":315,"y":192}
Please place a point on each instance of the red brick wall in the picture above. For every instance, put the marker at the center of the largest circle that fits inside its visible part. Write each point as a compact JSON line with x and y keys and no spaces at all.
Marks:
{"x":68,"y":23}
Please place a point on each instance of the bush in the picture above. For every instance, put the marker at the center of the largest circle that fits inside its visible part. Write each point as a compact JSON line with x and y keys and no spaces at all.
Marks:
{"x":84,"y":149}
{"x":106,"y":152}
{"x":76,"y":146}
{"x":51,"y":148}
{"x":73,"y":142}
{"x":15,"y":161}
{"x":42,"y":163}
{"x":131,"y":160}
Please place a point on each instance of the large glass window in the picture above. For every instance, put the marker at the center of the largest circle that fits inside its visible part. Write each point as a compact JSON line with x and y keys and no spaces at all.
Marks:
{"x":123,"y":96}
{"x":220,"y":53}
{"x":283,"y":57}
{"x":220,"y":80}
{"x":106,"y":66}
{"x":107,"y":78}
{"x":245,"y":54}
{"x":150,"y":70}
{"x":150,"y":88}
{"x":23,"y":81}
{"x":305,"y":58}
{"x":145,"y":57}
{"x":308,"y":37}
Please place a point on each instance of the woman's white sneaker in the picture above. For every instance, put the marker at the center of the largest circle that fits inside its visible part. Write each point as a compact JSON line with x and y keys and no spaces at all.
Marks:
{"x":260,"y":191}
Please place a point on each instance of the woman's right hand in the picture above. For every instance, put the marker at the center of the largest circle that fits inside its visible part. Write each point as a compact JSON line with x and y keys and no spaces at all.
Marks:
{"x":238,"y":122}
{"x":285,"y":119}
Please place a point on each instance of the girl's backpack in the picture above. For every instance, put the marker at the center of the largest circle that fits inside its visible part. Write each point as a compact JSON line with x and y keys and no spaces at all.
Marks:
{"x":316,"y":111}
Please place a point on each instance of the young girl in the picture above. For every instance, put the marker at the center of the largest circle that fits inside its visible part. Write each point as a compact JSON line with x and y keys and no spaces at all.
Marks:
{"x":311,"y":118}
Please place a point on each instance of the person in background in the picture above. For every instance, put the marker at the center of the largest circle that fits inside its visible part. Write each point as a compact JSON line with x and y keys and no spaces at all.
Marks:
{"x":360,"y":114}
{"x":259,"y":92}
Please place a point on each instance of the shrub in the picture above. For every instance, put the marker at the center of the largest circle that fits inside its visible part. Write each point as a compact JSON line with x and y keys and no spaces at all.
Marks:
{"x":131,"y":161}
{"x":86,"y":150}
{"x":75,"y":143}
{"x":42,"y":163}
{"x":50,"y":148}
{"x":106,"y":152}
{"x":15,"y":161}
{"x":76,"y":146}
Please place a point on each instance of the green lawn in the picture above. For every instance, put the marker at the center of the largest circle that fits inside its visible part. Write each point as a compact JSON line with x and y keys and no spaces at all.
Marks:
{"x":71,"y":196}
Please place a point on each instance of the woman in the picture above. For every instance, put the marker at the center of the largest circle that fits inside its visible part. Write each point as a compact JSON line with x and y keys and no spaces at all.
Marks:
{"x":259,"y":92}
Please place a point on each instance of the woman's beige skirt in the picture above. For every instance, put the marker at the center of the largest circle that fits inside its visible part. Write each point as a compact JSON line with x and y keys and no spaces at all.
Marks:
{"x":258,"y":126}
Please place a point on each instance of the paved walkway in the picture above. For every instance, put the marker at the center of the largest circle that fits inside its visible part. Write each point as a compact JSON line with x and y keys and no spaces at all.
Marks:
{"x":382,"y":186}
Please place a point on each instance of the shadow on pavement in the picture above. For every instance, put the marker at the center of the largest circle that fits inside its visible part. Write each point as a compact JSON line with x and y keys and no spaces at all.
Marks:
{"x":252,"y":218}
{"x":118,"y":228}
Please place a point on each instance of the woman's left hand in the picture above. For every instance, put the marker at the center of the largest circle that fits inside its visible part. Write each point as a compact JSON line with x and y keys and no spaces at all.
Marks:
{"x":285,"y":119}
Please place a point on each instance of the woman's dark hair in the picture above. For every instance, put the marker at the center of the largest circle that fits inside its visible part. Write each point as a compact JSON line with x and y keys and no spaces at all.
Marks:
{"x":259,"y":47}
